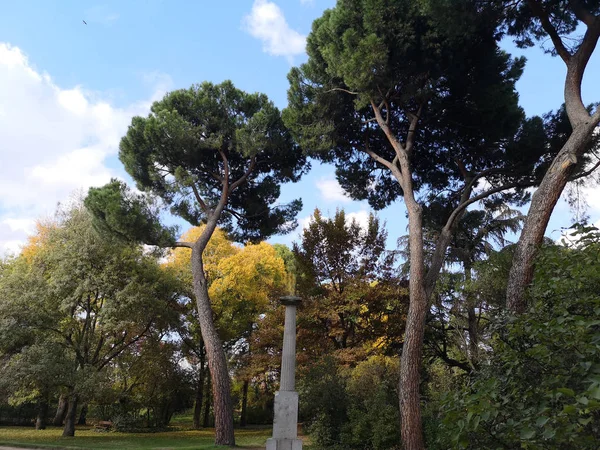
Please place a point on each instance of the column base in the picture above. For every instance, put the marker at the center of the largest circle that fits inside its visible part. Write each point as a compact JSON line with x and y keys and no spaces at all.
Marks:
{"x":285,"y":423}
{"x":284,"y":444}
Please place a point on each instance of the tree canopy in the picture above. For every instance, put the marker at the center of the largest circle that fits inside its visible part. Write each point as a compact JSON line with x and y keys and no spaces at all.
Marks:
{"x":199,"y":147}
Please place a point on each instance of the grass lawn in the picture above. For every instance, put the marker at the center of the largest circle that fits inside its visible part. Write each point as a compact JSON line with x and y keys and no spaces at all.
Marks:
{"x":86,"y":438}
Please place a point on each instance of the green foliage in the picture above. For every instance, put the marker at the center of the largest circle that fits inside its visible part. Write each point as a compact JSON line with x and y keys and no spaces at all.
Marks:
{"x":374,"y":417}
{"x":116,"y":209}
{"x":437,"y":60}
{"x":523,"y":22}
{"x":78,"y":299}
{"x":196,"y":148}
{"x":150,"y":378}
{"x":347,"y":276}
{"x":353,"y":408}
{"x":324,"y":403}
{"x":541,"y":388}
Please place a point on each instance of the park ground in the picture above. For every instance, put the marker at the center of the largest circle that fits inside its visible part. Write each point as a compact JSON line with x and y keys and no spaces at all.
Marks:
{"x":180,"y":437}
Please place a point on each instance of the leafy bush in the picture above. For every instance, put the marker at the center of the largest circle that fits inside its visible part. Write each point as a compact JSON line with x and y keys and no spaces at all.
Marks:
{"x":353,"y":408}
{"x":541,"y":389}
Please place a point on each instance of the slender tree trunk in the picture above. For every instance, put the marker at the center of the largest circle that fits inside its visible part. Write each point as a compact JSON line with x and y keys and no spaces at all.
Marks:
{"x":217,"y":363}
{"x":472,"y":325}
{"x":412,"y":350}
{"x":473,"y":334}
{"x":207,"y":397}
{"x":244,"y":414}
{"x":542,"y":205}
{"x":61,"y":411}
{"x":40,"y":423}
{"x":69,"y":429}
{"x":83,"y":415}
{"x":199,"y":396}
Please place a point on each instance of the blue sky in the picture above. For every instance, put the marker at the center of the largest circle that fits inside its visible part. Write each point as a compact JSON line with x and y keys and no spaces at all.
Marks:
{"x":68,"y":91}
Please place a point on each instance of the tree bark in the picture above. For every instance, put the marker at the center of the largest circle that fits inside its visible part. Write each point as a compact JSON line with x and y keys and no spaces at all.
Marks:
{"x":61,"y":411}
{"x":40,"y":423}
{"x":217,"y":363}
{"x":546,"y":196}
{"x":412,"y":350}
{"x":206,"y":420}
{"x":199,"y":397}
{"x":83,"y":415}
{"x":542,"y":205}
{"x":69,"y":429}
{"x":244,"y":413}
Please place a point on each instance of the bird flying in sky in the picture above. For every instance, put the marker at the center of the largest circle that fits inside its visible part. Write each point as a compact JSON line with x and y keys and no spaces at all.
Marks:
{"x":85,"y":22}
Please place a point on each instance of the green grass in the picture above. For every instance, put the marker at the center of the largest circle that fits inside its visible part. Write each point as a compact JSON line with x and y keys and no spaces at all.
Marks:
{"x":87,"y":438}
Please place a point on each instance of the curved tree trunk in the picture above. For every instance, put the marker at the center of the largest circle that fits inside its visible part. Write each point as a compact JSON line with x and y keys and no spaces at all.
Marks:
{"x":217,"y":363}
{"x":40,"y":423}
{"x":69,"y":429}
{"x":542,"y":205}
{"x":61,"y":411}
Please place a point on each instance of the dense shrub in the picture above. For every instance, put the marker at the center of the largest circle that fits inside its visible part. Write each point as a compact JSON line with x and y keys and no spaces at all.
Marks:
{"x":541,"y":389}
{"x":352,"y":408}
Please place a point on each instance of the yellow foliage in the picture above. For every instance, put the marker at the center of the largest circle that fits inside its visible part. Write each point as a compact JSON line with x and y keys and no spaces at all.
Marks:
{"x":37,"y":241}
{"x":241,"y":280}
{"x":254,"y":274}
{"x":218,"y":247}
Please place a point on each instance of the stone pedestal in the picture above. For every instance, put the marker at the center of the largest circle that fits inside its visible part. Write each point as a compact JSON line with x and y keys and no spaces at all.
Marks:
{"x":284,"y":444}
{"x":285,"y":423}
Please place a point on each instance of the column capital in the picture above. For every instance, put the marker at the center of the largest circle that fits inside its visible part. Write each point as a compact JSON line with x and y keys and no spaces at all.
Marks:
{"x":290,"y":300}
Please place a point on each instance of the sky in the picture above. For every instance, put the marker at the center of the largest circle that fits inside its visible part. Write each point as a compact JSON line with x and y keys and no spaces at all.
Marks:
{"x":69,"y":89}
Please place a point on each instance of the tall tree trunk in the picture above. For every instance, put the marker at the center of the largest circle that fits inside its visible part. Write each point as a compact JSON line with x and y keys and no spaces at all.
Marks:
{"x":542,"y":205}
{"x":412,"y":350}
{"x":40,"y":423}
{"x":83,"y":415}
{"x":545,"y":198}
{"x":199,"y":397}
{"x":244,"y":414}
{"x":69,"y":429}
{"x":207,"y":397}
{"x":61,"y":411}
{"x":217,"y":363}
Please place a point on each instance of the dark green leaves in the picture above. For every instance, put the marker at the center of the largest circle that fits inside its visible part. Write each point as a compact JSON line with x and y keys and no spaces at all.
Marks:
{"x":198,"y":142}
{"x":118,"y":210}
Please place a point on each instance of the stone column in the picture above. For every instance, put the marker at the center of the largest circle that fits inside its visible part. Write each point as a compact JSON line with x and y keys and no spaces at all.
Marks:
{"x":285,"y":422}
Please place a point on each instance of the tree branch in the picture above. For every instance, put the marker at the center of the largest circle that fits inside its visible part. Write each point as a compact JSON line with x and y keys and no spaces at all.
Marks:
{"x":414,"y":121}
{"x":582,"y":14}
{"x":542,"y":14}
{"x":341,"y":90}
{"x":179,"y":244}
{"x":446,"y":233}
{"x":398,"y":148}
{"x":587,"y":172}
{"x":244,"y":177}
{"x":199,"y":199}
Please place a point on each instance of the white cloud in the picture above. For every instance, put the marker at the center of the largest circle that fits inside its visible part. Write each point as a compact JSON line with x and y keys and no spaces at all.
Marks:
{"x":331,"y":190}
{"x":361,"y":217}
{"x":54,"y":141}
{"x":267,"y":23}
